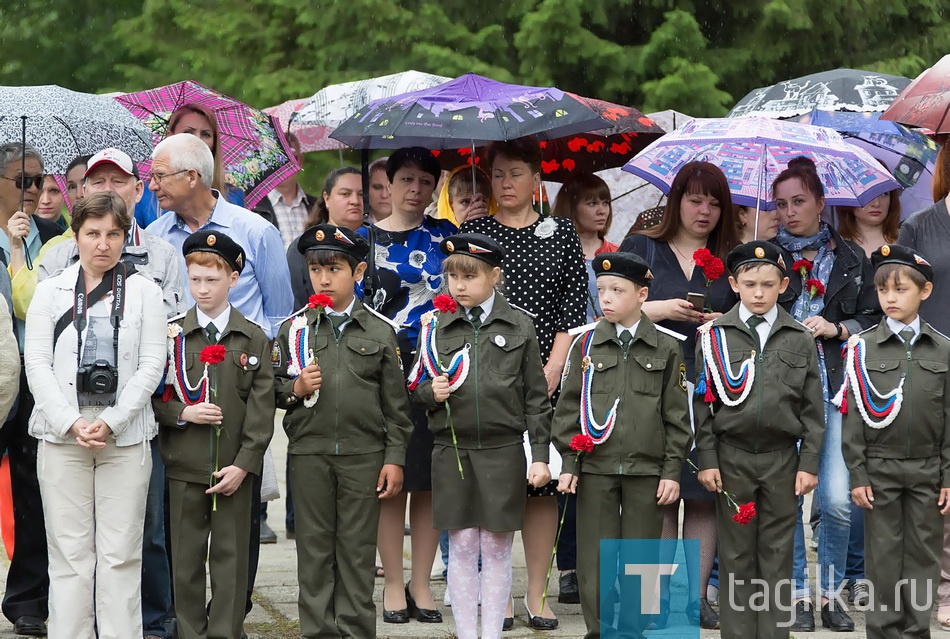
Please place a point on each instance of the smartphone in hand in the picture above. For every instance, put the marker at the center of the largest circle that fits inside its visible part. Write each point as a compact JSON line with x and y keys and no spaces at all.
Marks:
{"x":698,"y":300}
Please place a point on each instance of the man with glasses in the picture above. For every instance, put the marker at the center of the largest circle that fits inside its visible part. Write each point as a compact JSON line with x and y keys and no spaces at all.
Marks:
{"x":182,"y":172}
{"x":113,"y":170}
{"x":26,"y":601}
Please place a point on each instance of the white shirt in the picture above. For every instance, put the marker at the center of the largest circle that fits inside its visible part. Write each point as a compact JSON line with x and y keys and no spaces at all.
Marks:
{"x":896,"y":327}
{"x":621,"y":328}
{"x":486,"y":307}
{"x":291,"y":216}
{"x":765,"y":327}
{"x":220,"y":322}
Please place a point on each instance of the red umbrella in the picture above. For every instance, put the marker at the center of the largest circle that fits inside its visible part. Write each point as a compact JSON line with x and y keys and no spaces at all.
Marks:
{"x":925,"y":102}
{"x":631,"y":132}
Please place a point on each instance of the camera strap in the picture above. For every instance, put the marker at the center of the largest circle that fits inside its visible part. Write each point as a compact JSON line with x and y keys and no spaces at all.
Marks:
{"x":116,"y":284}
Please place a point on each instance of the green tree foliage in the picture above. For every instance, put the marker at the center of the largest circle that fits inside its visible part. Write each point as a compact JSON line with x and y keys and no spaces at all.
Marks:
{"x":697,"y":56}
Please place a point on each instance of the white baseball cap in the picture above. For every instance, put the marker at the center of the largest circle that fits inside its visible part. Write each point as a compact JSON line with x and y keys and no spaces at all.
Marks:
{"x":111,"y":156}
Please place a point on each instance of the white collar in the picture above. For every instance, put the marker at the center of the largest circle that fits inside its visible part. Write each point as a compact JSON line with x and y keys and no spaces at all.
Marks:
{"x":220,"y":322}
{"x":486,"y":307}
{"x":621,"y":328}
{"x":347,"y":311}
{"x":769,"y":317}
{"x":896,"y":327}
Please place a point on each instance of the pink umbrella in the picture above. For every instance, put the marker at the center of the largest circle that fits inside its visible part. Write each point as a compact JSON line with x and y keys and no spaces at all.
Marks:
{"x":254,"y":150}
{"x":312,"y":137}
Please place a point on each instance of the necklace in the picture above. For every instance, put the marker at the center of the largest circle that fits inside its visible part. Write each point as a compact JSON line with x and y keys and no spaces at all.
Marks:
{"x":675,"y":248}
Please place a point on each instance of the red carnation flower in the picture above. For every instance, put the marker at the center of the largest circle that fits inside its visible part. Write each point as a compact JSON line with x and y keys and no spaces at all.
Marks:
{"x":321,"y":301}
{"x":803,"y":267}
{"x":814,"y":288}
{"x":445,"y":304}
{"x":582,"y":443}
{"x":745,"y":513}
{"x":701,"y":256}
{"x":213,"y":354}
{"x":713,"y":269}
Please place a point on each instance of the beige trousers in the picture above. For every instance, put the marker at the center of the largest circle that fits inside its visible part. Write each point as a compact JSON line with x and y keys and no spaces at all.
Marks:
{"x":94,"y":504}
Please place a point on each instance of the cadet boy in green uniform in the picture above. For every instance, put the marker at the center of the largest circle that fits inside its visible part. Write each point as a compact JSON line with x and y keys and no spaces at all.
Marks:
{"x":896,"y":442}
{"x":216,"y":422}
{"x":347,"y":434}
{"x":632,"y":376}
{"x":758,"y":400}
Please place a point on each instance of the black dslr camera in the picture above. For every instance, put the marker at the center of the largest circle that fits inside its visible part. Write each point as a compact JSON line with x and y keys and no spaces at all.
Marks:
{"x":98,"y":378}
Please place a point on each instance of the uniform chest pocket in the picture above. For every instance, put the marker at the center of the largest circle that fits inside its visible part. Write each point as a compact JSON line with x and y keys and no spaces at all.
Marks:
{"x":606,"y":376}
{"x":245,"y":366}
{"x":362,"y":356}
{"x":932,"y":375}
{"x":646,"y":374}
{"x":794,"y":369}
{"x":504,"y":352}
{"x":885,"y":374}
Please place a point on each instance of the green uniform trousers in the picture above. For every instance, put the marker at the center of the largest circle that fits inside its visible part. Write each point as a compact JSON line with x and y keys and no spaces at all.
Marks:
{"x":337,"y":514}
{"x":903,"y":542}
{"x":192,"y":522}
{"x":612,"y":507}
{"x":755,"y":557}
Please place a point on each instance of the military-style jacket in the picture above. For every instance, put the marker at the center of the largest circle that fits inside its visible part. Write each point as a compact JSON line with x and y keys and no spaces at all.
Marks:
{"x":922,"y":426}
{"x":785,"y":405}
{"x":244,"y":386}
{"x":363,"y":405}
{"x":652,"y":434}
{"x":505,"y":393}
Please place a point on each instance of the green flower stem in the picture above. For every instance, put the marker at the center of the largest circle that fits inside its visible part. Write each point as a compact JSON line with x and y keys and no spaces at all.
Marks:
{"x":455,"y":443}
{"x":213,"y":394}
{"x":729,"y":498}
{"x":557,"y":540}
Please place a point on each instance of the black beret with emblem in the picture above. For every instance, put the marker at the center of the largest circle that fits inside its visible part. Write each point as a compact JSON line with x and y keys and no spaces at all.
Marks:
{"x":475,"y":244}
{"x":897,"y":254}
{"x":626,"y":265}
{"x":326,"y":237}
{"x":755,"y":251}
{"x":218,"y":243}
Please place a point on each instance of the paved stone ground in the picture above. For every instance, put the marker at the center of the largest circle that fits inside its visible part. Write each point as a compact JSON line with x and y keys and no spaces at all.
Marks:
{"x":275,"y":612}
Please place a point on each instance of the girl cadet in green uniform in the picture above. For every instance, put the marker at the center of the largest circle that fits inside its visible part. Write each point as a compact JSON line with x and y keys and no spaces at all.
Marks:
{"x":479,"y":374}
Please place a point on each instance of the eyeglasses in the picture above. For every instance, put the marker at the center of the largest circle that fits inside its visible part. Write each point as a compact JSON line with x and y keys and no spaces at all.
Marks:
{"x":158,"y":177}
{"x":25,"y":182}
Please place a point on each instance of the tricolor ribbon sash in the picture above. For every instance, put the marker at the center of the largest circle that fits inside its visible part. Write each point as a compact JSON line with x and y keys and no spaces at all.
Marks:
{"x":177,"y":376}
{"x":878,"y":410}
{"x":589,"y":424}
{"x":301,"y":355}
{"x":428,"y":366}
{"x":733,"y":389}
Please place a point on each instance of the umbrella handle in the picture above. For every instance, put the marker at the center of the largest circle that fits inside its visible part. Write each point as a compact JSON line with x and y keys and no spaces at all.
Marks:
{"x":26,"y":249}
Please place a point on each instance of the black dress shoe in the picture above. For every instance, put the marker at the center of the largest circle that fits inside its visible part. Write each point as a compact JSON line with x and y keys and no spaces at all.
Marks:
{"x":539,"y":623}
{"x":567,"y":592}
{"x":421,"y":614}
{"x":30,"y":626}
{"x":396,"y":616}
{"x":804,"y":618}
{"x":708,"y":618}
{"x":834,"y":618}
{"x":509,"y":622}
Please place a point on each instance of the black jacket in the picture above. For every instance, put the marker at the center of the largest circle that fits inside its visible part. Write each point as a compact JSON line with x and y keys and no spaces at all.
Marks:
{"x":850,"y":298}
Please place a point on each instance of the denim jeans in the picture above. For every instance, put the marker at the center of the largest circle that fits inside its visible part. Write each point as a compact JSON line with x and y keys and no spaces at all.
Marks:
{"x":833,"y":496}
{"x":156,"y":575}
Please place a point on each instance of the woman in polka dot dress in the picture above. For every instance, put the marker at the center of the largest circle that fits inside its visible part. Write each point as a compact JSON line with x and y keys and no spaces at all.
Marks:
{"x":545,"y":276}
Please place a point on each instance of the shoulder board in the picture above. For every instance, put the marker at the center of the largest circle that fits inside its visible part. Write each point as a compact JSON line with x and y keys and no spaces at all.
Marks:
{"x":579,"y":330}
{"x":874,"y":328}
{"x":525,"y":311}
{"x":935,"y":331}
{"x":177,"y":317}
{"x":395,"y":326}
{"x":678,"y":336}
{"x":295,"y":314}
{"x":260,"y":326}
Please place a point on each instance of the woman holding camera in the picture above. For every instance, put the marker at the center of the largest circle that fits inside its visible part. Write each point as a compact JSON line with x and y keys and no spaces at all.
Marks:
{"x":95,"y":351}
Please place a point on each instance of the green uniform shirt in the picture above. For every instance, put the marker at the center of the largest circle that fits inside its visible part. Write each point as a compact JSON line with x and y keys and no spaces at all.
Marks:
{"x":244,"y":387}
{"x":785,"y":405}
{"x":652,"y":433}
{"x":363,"y":405}
{"x":505,"y":393}
{"x":922,"y":427}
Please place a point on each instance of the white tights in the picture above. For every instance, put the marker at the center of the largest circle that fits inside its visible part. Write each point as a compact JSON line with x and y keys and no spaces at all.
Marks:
{"x":465,"y":582}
